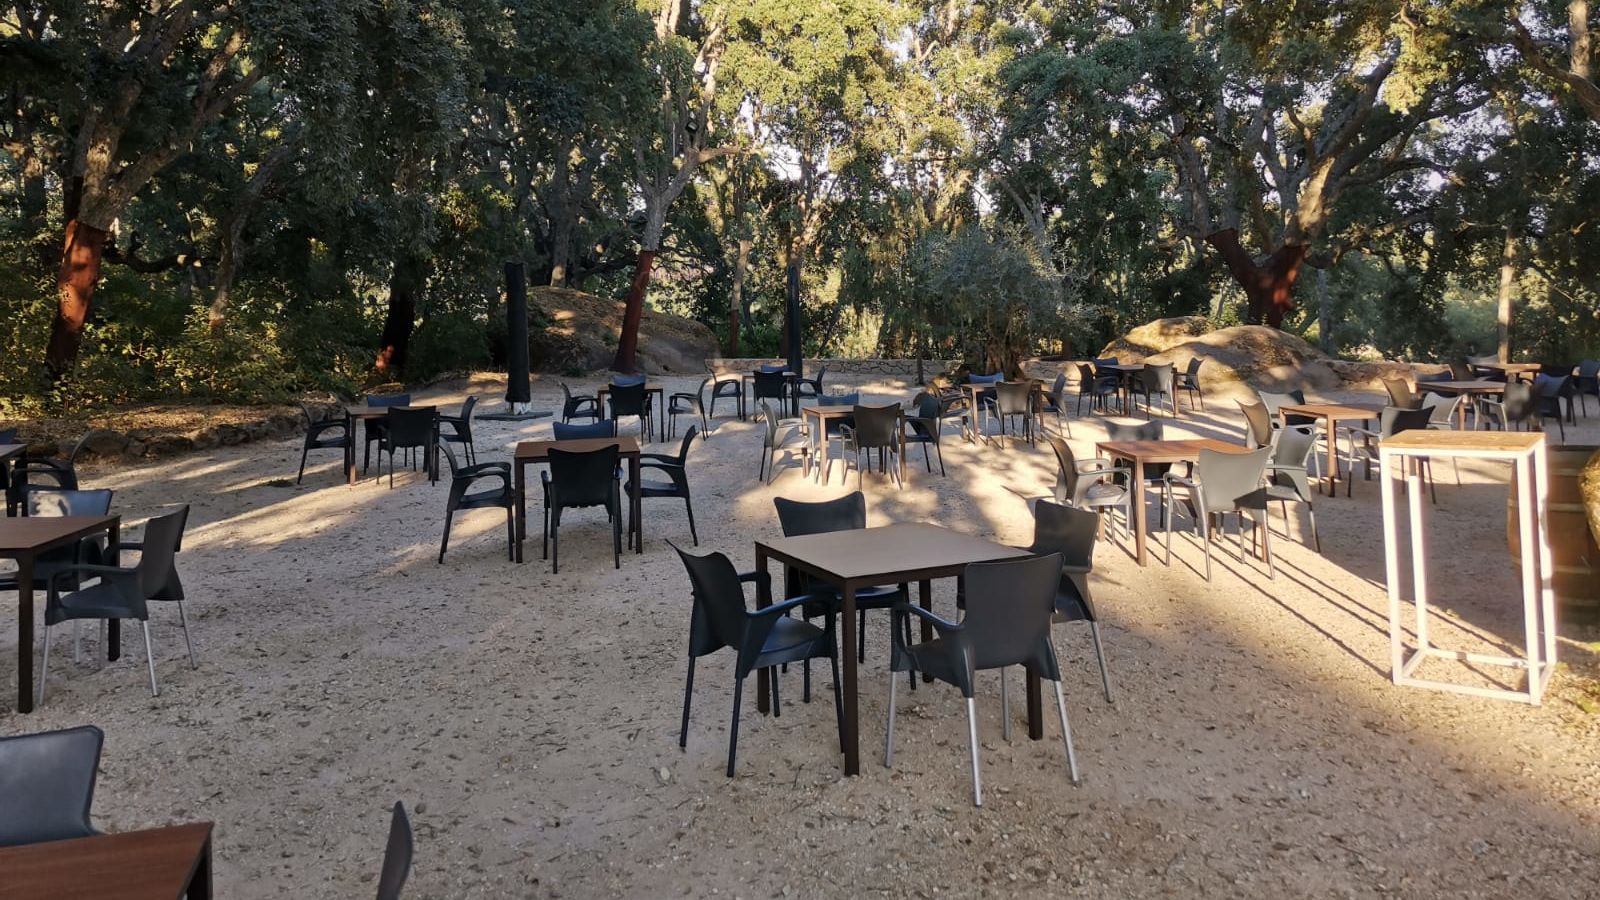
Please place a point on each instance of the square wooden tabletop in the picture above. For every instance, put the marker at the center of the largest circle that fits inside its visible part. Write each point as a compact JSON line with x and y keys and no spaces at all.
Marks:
{"x":1167,"y":451}
{"x":1420,"y":440}
{"x":1468,"y":387}
{"x":907,"y":549}
{"x":29,"y":533}
{"x":9,"y":450}
{"x":157,"y":864}
{"x":1334,"y":411}
{"x":539,"y":451}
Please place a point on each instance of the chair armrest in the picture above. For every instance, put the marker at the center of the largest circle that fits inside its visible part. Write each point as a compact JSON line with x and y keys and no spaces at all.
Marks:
{"x":755,"y":577}
{"x":1098,"y":464}
{"x":659,"y":459}
{"x":1078,"y":570}
{"x":943,"y":626}
{"x":475,"y":468}
{"x":1364,"y":432}
{"x":1171,"y":478}
{"x":779,"y":609}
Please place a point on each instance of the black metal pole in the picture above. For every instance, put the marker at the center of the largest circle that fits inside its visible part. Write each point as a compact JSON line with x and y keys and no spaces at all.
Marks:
{"x":518,"y":391}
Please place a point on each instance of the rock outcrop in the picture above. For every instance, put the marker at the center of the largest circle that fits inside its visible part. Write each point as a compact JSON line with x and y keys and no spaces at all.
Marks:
{"x":571,"y":332}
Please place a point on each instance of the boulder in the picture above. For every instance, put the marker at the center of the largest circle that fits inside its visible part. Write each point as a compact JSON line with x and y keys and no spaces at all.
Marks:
{"x":570,"y":331}
{"x":103,"y":442}
{"x":1255,"y":355}
{"x":1158,"y":336}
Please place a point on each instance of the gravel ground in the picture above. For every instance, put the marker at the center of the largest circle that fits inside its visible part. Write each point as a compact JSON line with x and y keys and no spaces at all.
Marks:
{"x":1256,"y":746}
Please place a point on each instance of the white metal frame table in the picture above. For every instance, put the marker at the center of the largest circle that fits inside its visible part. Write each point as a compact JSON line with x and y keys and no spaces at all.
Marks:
{"x":1403,"y":454}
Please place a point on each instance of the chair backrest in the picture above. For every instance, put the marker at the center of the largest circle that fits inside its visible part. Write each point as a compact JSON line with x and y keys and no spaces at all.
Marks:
{"x":817,"y":381}
{"x":9,"y":435}
{"x":772,"y":370}
{"x":1556,"y":370}
{"x":1058,"y":388}
{"x":850,"y":399}
{"x":55,"y":502}
{"x":1589,"y":368}
{"x":1228,"y":478}
{"x":798,"y":517}
{"x":1257,"y":423}
{"x":1394,"y":420}
{"x":1441,"y":409}
{"x":927,"y":406}
{"x":1276,"y":401}
{"x":466,"y":410}
{"x":566,"y":431}
{"x":566,"y":393}
{"x":163,"y":536}
{"x":1460,"y":370}
{"x":1108,"y":361}
{"x":397,"y":855}
{"x":1013,"y":397}
{"x":770,"y":384}
{"x":1067,"y":467}
{"x":627,"y":380}
{"x":769,"y":419}
{"x":627,"y":399}
{"x":995,"y":378}
{"x":877,"y":426}
{"x":719,"y":612}
{"x":688,"y":441}
{"x":1519,"y":400}
{"x":1144,"y":431}
{"x":583,"y":478}
{"x":1159,"y":377}
{"x":411,"y":426}
{"x":1551,"y":385}
{"x":1294,"y":447}
{"x":449,"y":458}
{"x":47,"y":785}
{"x":1085,"y":376}
{"x":1400,"y":393}
{"x":1065,"y":530}
{"x":388,"y":399}
{"x":1195,"y":362}
{"x":1009,"y":606}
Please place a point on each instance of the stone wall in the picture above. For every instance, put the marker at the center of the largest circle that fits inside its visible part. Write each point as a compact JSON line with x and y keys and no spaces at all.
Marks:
{"x":904,"y":368}
{"x":129,"y":436}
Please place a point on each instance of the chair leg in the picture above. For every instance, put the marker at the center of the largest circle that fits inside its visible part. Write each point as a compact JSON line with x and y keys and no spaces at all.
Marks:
{"x":616,"y":539}
{"x":1311,"y":513}
{"x":1266,"y":543}
{"x":1100,"y":655}
{"x":733,"y":731}
{"x":150,"y":658}
{"x":1204,"y":519}
{"x":184,"y":621}
{"x":888,"y":731}
{"x":302,"y":475}
{"x":972,"y":743}
{"x":688,"y":692}
{"x":444,"y":542}
{"x":44,"y":665}
{"x":805,"y":681}
{"x":777,"y":707}
{"x":1066,"y":732}
{"x":688,"y":508}
{"x":1005,"y":707}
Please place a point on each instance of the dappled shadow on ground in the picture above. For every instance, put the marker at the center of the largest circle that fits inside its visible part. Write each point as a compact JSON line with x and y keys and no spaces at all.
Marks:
{"x":1256,"y":746}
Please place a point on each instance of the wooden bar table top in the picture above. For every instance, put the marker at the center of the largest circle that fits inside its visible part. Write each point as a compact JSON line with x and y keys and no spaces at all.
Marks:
{"x":157,"y":864}
{"x":1331,"y":415}
{"x":1403,"y":455}
{"x":866,"y":557}
{"x":535,"y":452}
{"x":22,"y":539}
{"x":1143,"y":453}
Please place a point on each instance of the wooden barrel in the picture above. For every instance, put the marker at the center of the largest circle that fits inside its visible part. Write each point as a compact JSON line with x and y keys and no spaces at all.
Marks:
{"x":1577,"y":558}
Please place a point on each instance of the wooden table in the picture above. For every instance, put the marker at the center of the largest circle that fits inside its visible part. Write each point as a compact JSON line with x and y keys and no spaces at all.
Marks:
{"x":23,"y":539}
{"x":1331,"y":415}
{"x":156,"y":864}
{"x":530,"y":452}
{"x":1510,"y":370}
{"x":365,"y":415}
{"x":1471,"y":389}
{"x":866,"y":557}
{"x":659,"y":409}
{"x":9,"y":452}
{"x":1143,"y":453}
{"x":1403,"y":455}
{"x":792,"y":378}
{"x":824,"y":414}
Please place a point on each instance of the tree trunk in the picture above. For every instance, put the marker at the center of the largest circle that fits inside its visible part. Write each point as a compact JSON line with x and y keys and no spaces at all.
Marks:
{"x":1270,"y":287}
{"x":736,"y":307}
{"x":1508,"y":286}
{"x":395,"y":343}
{"x":76,"y":278}
{"x":559,"y":202}
{"x":633,"y":314}
{"x":1324,"y":319}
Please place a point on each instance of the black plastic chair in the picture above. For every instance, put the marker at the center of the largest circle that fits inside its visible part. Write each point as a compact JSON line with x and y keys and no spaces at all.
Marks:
{"x":500,"y":495}
{"x":1588,"y":382}
{"x":1155,"y":474}
{"x":1054,"y":401}
{"x":172,"y":591}
{"x":47,"y":785}
{"x":1009,"y":609}
{"x":1155,"y":382}
{"x":815,"y":384}
{"x":873,"y":428}
{"x":1461,"y":370}
{"x":322,"y":434}
{"x":1392,"y":420}
{"x":61,"y":472}
{"x":1223,"y":483}
{"x":119,"y":593}
{"x":631,"y":400}
{"x":677,"y":484}
{"x":1189,"y":383}
{"x":1014,"y":400}
{"x":1090,"y":485}
{"x":585,"y":406}
{"x":847,"y":513}
{"x":724,"y":388}
{"x":767,"y":385}
{"x":7,"y":436}
{"x":1071,"y":533}
{"x":926,"y":428}
{"x":410,"y":428}
{"x":605,"y":428}
{"x":373,"y":429}
{"x":1288,"y":480}
{"x":1097,"y":389}
{"x":685,"y":403}
{"x":1401,"y":394}
{"x":761,"y":640}
{"x":457,"y":429}
{"x":397,"y":855}
{"x":575,"y":481}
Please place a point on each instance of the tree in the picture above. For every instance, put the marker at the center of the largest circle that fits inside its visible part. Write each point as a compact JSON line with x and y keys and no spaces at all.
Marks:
{"x":1543,"y":49}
